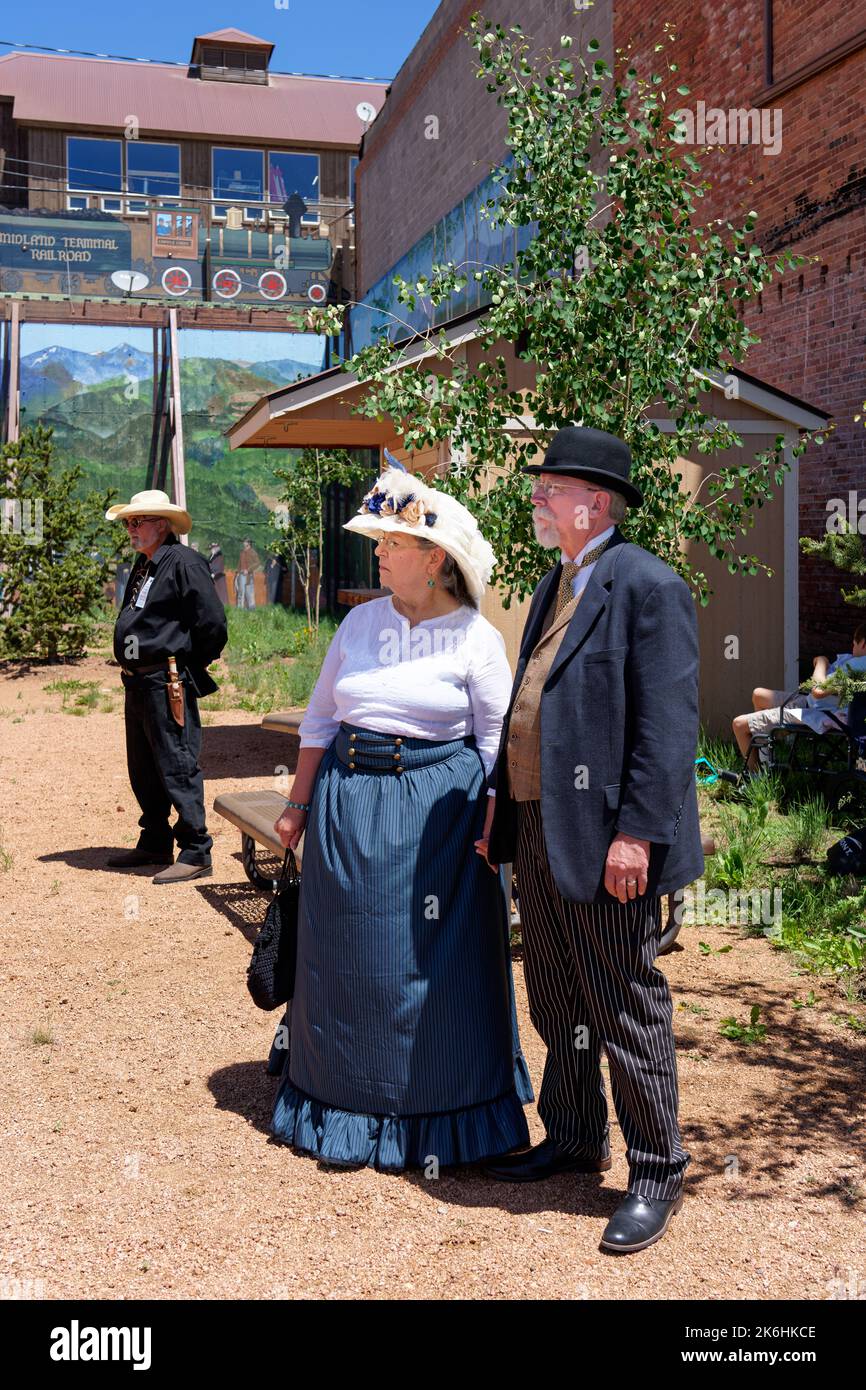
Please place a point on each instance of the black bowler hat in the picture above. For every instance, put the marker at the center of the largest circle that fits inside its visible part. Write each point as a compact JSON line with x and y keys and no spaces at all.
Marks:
{"x":578,"y":452}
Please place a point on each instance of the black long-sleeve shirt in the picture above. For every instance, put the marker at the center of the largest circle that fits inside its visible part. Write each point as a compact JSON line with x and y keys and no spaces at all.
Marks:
{"x":182,"y":614}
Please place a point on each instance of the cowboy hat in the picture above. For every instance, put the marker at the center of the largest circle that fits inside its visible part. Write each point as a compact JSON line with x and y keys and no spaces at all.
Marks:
{"x":400,"y":501}
{"x":152,"y":503}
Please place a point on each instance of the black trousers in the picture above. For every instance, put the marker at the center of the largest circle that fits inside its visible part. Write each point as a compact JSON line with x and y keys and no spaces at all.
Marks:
{"x":162,"y":758}
{"x":592,"y":984}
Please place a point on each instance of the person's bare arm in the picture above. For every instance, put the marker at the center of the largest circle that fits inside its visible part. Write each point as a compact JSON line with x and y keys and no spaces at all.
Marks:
{"x":290,"y":825}
{"x":819,"y":674}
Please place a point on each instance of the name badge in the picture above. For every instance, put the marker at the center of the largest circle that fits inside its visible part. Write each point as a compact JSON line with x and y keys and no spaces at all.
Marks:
{"x":143,"y":592}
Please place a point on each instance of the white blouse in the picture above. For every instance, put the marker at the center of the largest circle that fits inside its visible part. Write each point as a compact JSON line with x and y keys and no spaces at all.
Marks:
{"x":444,"y":678}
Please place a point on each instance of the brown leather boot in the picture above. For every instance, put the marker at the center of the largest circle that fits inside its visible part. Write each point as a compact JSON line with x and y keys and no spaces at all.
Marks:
{"x":180,"y":872}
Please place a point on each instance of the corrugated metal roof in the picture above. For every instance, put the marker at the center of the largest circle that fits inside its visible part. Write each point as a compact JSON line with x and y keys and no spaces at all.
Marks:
{"x":103,"y":93}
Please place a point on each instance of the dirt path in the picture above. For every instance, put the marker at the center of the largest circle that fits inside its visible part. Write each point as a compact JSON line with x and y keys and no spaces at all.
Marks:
{"x":136,"y":1160}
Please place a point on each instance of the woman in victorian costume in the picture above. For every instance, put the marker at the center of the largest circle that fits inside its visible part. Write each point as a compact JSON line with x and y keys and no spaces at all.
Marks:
{"x":402,"y":1037}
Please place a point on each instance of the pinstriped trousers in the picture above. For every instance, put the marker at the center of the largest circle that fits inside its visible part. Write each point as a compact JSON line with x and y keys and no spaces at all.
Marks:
{"x":592,"y":984}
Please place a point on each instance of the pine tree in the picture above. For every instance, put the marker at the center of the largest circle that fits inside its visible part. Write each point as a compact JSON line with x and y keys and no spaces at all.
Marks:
{"x":844,"y":549}
{"x":56,"y":552}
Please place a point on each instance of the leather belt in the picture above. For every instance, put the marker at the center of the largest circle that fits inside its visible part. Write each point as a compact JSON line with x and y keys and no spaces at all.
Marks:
{"x":145,"y":670}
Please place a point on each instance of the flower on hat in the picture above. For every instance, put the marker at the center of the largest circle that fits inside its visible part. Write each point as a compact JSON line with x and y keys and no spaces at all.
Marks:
{"x":385,"y":501}
{"x":412,"y":511}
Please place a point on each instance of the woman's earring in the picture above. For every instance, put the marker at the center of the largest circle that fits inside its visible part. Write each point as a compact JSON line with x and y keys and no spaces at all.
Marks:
{"x":431,"y":583}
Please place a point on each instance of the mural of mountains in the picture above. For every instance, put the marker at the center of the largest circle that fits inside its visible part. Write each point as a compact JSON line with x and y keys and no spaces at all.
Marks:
{"x":57,"y":372}
{"x":99,"y":406}
{"x":280,"y":370}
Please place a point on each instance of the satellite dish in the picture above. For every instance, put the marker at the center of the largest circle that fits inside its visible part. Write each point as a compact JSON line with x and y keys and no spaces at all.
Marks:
{"x":365,"y":111}
{"x":129,"y":280}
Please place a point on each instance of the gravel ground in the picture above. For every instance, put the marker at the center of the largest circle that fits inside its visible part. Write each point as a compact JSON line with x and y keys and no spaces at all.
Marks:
{"x":137,"y":1162}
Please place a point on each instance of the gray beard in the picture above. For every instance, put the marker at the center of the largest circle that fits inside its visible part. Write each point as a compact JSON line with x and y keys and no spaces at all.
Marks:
{"x":545,"y":535}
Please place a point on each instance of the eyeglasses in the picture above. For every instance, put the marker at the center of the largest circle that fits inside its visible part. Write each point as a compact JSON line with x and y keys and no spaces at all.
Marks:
{"x":394,"y":542}
{"x":561,"y":489}
{"x":133,"y":522}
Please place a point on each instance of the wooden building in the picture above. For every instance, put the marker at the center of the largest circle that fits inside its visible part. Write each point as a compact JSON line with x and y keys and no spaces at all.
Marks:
{"x":212,"y":194}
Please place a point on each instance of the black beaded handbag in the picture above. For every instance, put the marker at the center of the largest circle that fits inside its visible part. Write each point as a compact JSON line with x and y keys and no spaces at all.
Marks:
{"x":271,"y":971}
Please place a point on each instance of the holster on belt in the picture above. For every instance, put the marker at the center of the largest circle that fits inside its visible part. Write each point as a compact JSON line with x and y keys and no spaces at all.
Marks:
{"x":175,"y":692}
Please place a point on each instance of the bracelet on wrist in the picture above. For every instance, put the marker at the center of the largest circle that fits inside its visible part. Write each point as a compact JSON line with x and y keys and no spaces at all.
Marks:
{"x":300,"y":805}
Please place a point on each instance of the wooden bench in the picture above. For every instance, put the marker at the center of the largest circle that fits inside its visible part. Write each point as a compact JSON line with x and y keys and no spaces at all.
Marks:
{"x":254,"y":814}
{"x":283,"y":721}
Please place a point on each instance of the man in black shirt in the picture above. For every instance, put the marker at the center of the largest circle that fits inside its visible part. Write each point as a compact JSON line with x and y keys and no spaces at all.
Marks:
{"x":169,"y":608}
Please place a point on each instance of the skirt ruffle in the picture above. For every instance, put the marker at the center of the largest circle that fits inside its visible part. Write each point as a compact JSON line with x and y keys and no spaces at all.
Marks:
{"x":391,"y":1143}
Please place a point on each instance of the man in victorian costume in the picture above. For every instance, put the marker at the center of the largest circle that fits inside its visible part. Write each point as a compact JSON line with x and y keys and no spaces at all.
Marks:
{"x":596,"y":805}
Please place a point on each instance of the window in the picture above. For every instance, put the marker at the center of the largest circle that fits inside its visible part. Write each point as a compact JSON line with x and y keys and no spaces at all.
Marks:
{"x":152,"y":169}
{"x":238,"y":174}
{"x":234,"y":60}
{"x":294,"y":173}
{"x":97,"y":166}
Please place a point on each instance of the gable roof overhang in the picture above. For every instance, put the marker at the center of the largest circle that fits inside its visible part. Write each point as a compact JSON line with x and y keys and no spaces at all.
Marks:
{"x":318,"y":410}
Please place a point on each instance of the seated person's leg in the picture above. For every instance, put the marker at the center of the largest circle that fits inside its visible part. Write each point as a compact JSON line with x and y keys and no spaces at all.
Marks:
{"x":743,"y":736}
{"x":764,"y":698}
{"x":748,"y":726}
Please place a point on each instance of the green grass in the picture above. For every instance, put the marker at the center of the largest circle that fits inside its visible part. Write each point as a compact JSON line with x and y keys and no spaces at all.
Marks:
{"x":272,"y":658}
{"x":773,"y":833}
{"x":80,"y":697}
{"x":750,"y":1032}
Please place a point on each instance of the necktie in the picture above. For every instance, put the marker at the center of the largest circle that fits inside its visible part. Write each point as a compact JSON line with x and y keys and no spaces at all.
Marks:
{"x":564,"y":596}
{"x":569,"y":570}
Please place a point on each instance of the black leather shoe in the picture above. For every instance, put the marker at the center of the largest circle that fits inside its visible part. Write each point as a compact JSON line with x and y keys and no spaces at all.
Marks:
{"x":545,"y":1160}
{"x":131,"y":858}
{"x":639,"y":1222}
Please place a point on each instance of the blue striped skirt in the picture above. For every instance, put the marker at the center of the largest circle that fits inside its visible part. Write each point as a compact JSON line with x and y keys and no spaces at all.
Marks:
{"x":402,"y":1034}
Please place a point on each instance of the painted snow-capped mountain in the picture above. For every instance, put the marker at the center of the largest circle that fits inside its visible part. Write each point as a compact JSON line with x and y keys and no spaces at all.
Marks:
{"x":55,"y":373}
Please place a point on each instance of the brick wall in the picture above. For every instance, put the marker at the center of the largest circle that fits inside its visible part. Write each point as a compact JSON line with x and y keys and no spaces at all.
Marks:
{"x":811,"y":198}
{"x":438,"y":79}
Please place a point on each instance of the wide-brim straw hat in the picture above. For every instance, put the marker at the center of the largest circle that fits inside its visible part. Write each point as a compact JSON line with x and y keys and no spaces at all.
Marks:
{"x":401,"y":501}
{"x":153,"y":503}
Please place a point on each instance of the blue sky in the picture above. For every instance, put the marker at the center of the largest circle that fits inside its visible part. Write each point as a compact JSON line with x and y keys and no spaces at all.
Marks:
{"x":352,"y":38}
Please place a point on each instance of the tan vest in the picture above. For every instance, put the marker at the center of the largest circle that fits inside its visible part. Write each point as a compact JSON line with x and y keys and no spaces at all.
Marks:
{"x":523,"y":748}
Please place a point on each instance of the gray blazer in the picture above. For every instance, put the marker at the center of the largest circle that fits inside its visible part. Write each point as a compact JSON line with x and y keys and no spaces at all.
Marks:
{"x":619,"y":727}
